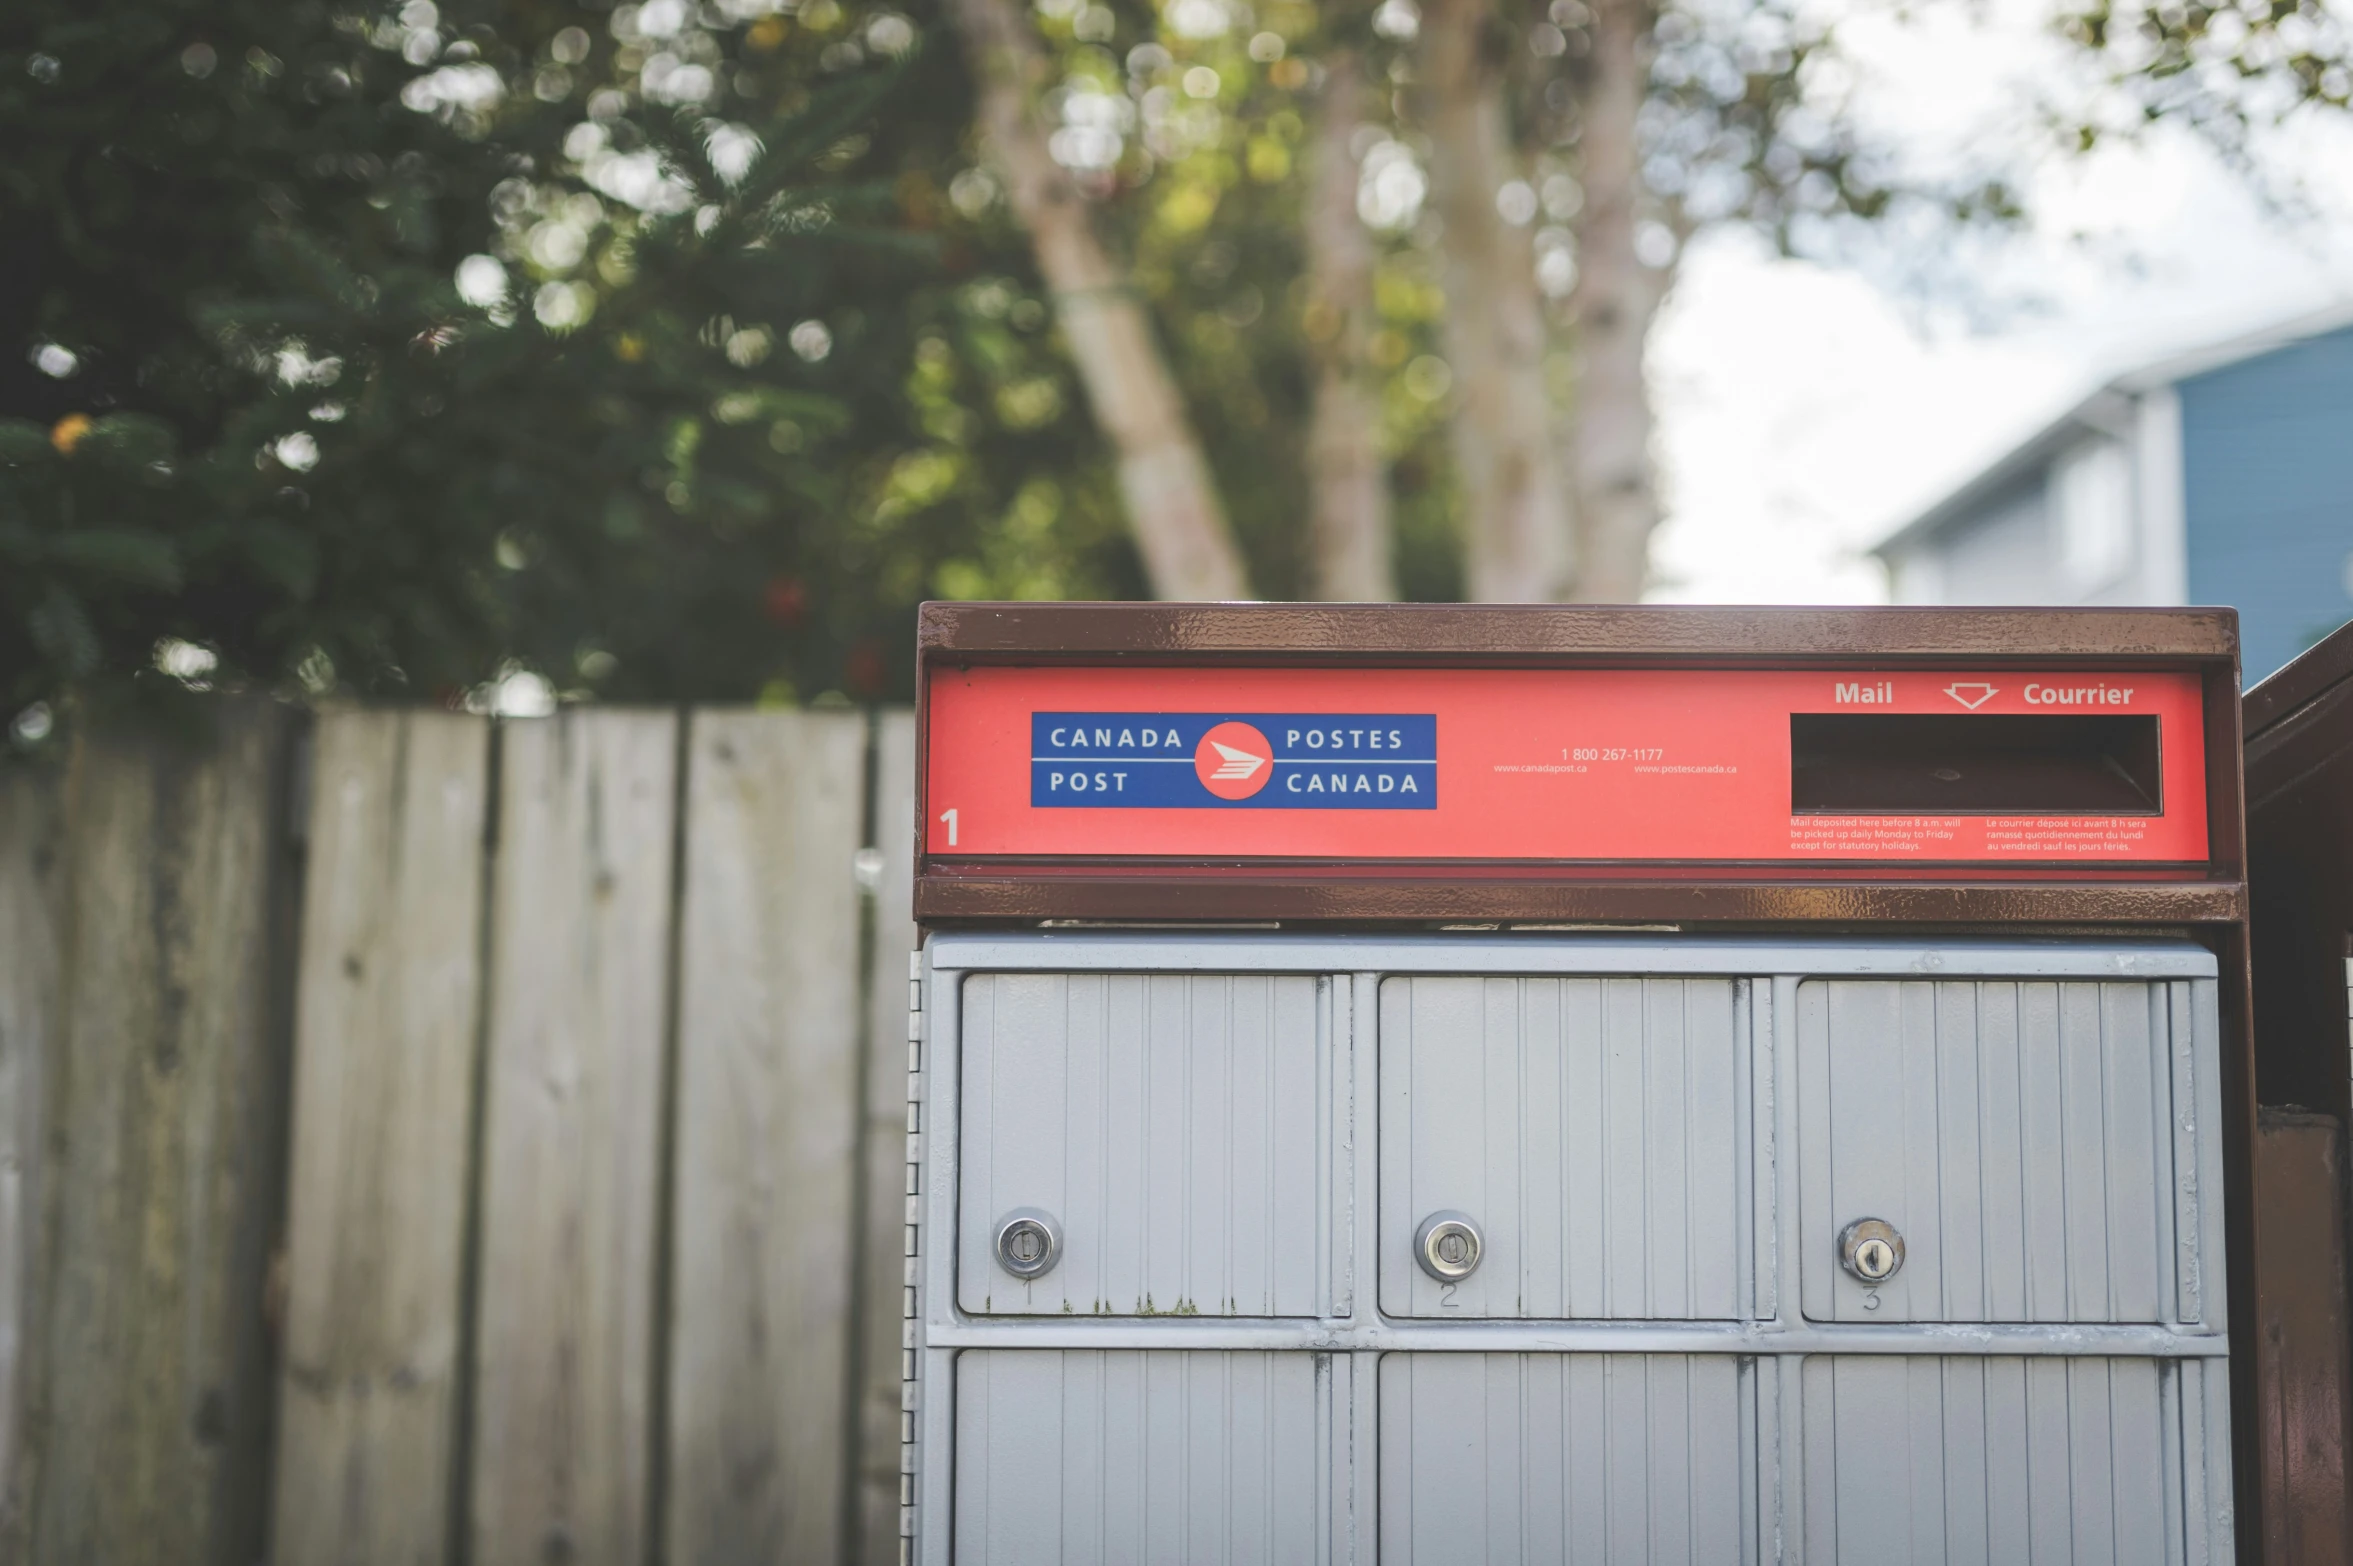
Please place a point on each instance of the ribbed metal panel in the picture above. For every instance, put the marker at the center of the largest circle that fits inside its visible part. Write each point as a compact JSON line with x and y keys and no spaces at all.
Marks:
{"x":1175,"y":1125}
{"x":1161,"y":1458}
{"x":1992,"y":1461}
{"x":1579,"y":1459}
{"x":1592,"y":1127}
{"x":1661,"y":1158}
{"x":2021,"y":1136}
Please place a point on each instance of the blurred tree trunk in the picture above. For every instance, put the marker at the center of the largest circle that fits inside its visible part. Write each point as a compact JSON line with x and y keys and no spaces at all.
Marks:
{"x":1615,"y":298}
{"x":1348,"y":483}
{"x":1515,"y":495}
{"x":1172,"y":505}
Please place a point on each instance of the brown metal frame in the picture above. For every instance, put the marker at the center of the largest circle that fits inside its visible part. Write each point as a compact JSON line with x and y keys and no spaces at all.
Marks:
{"x":2207,"y":901}
{"x":2299,"y":765}
{"x":2300,"y":821}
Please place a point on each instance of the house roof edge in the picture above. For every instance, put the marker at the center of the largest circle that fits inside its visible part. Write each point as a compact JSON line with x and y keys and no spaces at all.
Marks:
{"x":2098,"y":411}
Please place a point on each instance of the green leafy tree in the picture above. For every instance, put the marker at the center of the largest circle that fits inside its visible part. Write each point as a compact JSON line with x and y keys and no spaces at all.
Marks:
{"x":1527,"y":178}
{"x":380,"y":348}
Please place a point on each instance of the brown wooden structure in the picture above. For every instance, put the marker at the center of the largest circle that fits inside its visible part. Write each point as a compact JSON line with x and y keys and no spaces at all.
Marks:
{"x":2300,"y":850}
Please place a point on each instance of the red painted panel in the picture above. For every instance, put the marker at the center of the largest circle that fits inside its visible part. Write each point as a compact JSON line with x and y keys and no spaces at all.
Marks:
{"x":1532,"y":765}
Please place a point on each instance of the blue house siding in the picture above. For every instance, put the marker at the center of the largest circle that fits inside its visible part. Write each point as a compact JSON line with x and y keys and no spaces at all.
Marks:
{"x":2003,"y":554}
{"x":2267,"y":494}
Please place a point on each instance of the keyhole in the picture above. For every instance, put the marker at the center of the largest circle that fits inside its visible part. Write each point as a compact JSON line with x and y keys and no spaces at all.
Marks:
{"x":1028,"y":1243}
{"x":1447,"y":1246}
{"x":1871,"y":1250}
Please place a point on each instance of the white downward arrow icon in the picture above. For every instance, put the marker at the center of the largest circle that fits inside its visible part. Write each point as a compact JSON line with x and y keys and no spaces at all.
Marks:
{"x":1971,"y":696}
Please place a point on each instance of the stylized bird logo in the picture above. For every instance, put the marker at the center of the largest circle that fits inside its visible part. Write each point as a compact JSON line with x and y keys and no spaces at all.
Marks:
{"x":1234,"y":760}
{"x":1238,"y":764}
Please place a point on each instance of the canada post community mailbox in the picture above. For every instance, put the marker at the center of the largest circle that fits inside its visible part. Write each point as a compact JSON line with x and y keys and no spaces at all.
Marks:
{"x":1458,"y":1085}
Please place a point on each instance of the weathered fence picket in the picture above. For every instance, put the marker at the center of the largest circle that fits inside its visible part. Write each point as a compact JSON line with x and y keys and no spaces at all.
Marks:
{"x":31,"y":899}
{"x":146,"y":1369}
{"x":387,"y":1022}
{"x":561,"y":1065}
{"x":764,"y":1253}
{"x":572,"y":1140}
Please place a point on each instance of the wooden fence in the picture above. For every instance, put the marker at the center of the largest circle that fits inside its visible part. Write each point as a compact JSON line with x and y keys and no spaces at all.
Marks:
{"x":426,"y":1139}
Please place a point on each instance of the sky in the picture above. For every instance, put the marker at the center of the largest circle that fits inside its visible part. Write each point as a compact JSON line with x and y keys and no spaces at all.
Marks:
{"x":1805,"y":411}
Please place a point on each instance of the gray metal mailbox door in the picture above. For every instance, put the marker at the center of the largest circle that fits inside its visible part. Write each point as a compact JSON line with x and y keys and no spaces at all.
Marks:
{"x":2026,"y":1140}
{"x":1578,"y":1459}
{"x":1174,"y":1127}
{"x":1084,"y":1457}
{"x":1987,"y":1460}
{"x":1592,"y":1130}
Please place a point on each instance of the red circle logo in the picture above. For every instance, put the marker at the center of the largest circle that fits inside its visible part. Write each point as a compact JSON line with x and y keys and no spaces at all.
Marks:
{"x":1234,"y":760}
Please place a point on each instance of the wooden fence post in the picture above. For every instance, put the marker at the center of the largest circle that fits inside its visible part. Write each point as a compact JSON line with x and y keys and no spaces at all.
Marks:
{"x":163,"y":1150}
{"x":387,"y":1026}
{"x":763,"y":1254}
{"x":570,"y":1245}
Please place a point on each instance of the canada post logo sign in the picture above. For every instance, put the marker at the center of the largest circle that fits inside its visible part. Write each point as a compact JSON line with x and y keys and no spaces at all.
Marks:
{"x":1245,"y":760}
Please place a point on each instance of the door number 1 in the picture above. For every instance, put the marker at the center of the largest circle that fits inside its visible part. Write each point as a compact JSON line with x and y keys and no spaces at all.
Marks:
{"x":949,"y":816}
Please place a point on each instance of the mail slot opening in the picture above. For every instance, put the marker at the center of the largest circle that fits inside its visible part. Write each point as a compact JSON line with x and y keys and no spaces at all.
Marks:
{"x":1858,"y":763}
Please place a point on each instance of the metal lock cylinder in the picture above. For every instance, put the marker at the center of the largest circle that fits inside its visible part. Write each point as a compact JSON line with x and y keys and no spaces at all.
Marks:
{"x":1871,"y":1250}
{"x":1029,"y":1242}
{"x":1448,"y":1246}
